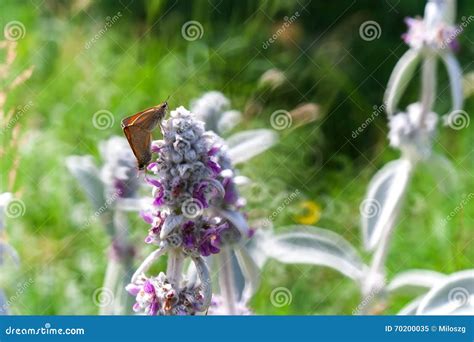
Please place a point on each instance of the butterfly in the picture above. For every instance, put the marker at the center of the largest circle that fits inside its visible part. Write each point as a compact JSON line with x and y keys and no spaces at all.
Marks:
{"x":138,"y":127}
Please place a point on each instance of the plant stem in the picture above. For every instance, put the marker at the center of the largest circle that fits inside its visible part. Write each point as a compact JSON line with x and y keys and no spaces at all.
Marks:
{"x":205,"y":279}
{"x":146,"y":264}
{"x":428,"y":85}
{"x":374,"y":282}
{"x":174,"y":271}
{"x":112,"y":275}
{"x":226,"y":281}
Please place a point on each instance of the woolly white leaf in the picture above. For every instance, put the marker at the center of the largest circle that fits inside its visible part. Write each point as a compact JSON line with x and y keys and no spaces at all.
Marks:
{"x":255,"y":247}
{"x":228,"y":120}
{"x":411,"y":307}
{"x":455,"y":80}
{"x":87,"y":174}
{"x":316,"y":246}
{"x":250,"y":272}
{"x":171,"y":222}
{"x":453,"y":296}
{"x":7,"y":250}
{"x":133,"y":204}
{"x":205,"y":279}
{"x":237,"y":220}
{"x":399,"y":79}
{"x":415,"y":279}
{"x":384,"y":196}
{"x":5,"y":199}
{"x":246,"y":145}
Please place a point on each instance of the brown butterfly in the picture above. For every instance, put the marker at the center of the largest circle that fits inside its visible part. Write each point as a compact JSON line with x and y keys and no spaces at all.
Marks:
{"x":138,"y":128}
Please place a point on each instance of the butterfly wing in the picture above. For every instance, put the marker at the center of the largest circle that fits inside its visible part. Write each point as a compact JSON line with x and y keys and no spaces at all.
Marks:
{"x":140,"y":142}
{"x":147,"y":119}
{"x":138,"y":119}
{"x":138,"y":127}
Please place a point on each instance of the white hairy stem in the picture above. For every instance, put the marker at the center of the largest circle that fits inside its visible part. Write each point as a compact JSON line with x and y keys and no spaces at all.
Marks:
{"x":146,"y":264}
{"x":204,"y":277}
{"x":111,"y":279}
{"x":428,"y":85}
{"x":174,"y":270}
{"x":226,"y":280}
{"x":374,"y":284}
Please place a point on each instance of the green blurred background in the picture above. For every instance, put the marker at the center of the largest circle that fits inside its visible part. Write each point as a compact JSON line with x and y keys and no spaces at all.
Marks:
{"x":142,"y":58}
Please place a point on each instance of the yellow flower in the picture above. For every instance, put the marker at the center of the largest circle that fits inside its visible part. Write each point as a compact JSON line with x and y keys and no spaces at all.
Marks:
{"x":311,"y":212}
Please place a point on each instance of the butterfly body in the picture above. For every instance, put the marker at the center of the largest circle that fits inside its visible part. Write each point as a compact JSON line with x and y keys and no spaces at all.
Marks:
{"x":138,"y":127}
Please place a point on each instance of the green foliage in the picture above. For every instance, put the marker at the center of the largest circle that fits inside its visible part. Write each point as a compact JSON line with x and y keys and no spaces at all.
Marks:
{"x":143,"y":58}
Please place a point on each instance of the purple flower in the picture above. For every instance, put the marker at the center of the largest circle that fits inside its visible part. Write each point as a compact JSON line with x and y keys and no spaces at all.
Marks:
{"x":214,"y":167}
{"x":211,"y":240}
{"x":156,"y":296}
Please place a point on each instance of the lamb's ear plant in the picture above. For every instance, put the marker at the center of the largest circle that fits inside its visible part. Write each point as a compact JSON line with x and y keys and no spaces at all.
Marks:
{"x":412,"y":133}
{"x":430,"y":39}
{"x":438,"y":294}
{"x":113,"y":191}
{"x":194,"y":214}
{"x":214,"y":109}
